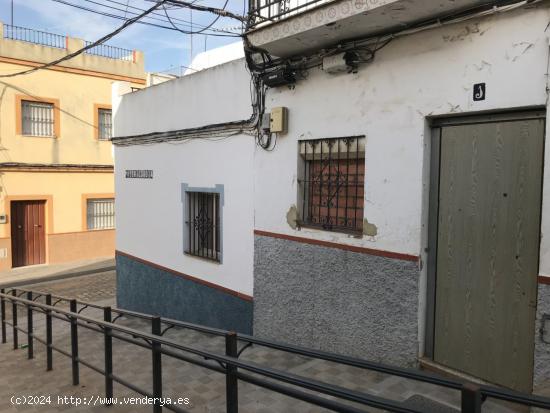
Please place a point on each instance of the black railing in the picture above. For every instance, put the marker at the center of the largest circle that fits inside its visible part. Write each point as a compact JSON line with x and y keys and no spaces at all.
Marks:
{"x":34,"y":36}
{"x":228,"y":364}
{"x":110,"y":52}
{"x":266,"y":11}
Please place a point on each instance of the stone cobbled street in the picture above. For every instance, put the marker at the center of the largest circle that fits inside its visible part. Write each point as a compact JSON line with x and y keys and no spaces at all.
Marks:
{"x":205,"y":389}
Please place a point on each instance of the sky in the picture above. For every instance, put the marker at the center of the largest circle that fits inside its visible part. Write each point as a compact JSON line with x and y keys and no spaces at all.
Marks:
{"x":165,"y":50}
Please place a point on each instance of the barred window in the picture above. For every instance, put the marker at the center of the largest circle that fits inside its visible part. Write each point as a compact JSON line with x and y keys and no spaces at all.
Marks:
{"x":37,"y":118}
{"x":203,"y":225}
{"x":332,"y":184}
{"x":105,"y":124}
{"x":100,"y":213}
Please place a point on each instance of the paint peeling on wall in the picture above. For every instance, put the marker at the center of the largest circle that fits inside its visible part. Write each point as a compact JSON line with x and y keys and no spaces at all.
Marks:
{"x":464,"y":33}
{"x":369,"y":229}
{"x":292,"y":217}
{"x":518,"y":50}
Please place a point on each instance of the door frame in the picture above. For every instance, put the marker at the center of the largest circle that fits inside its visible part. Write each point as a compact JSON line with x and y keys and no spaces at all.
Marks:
{"x":48,"y":216}
{"x":436,"y":124}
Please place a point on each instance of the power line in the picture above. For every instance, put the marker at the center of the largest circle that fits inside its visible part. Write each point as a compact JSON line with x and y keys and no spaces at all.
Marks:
{"x":115,"y":16}
{"x":102,"y":40}
{"x":175,"y":19}
{"x":199,"y":31}
{"x":219,"y":12}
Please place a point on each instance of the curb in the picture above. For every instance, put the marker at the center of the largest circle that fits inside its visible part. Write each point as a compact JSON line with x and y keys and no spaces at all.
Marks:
{"x":56,"y":277}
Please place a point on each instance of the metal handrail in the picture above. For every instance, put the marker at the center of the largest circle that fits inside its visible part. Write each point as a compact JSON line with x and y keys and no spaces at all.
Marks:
{"x":110,"y":52}
{"x":472,"y":394}
{"x":34,"y":36}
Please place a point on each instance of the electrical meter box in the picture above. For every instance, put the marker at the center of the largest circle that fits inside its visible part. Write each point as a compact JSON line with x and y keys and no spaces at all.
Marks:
{"x":279,"y":120}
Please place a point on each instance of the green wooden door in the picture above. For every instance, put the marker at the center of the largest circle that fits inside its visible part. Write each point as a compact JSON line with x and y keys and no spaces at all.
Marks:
{"x":487,"y":249}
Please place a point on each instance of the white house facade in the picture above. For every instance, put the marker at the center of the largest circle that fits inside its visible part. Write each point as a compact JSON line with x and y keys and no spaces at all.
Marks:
{"x":403,"y":216}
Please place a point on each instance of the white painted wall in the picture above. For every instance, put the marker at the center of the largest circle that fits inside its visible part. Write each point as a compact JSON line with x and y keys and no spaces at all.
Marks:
{"x":150,"y":221}
{"x":427,"y":74}
{"x":216,"y":56}
{"x":389,"y":101}
{"x":219,"y":94}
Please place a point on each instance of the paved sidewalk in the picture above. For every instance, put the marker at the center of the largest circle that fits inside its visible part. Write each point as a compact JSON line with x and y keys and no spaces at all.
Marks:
{"x":40,"y":273}
{"x":204,"y":388}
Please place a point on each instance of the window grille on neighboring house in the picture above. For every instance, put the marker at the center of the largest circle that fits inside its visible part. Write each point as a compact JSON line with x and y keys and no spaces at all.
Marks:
{"x":37,"y":118}
{"x":105,"y":124}
{"x":203,"y":225}
{"x":333,"y":183}
{"x":100,"y":213}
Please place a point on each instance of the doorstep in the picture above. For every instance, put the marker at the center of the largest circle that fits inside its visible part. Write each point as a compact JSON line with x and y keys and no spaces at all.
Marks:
{"x":434,"y":367}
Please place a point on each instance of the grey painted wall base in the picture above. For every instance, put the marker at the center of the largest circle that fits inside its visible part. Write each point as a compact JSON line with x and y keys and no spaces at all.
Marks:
{"x":150,"y":290}
{"x":542,"y":349}
{"x":338,"y":301}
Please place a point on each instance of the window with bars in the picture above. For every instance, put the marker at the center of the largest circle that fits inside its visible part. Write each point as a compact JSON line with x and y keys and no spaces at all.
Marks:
{"x":333,"y":183}
{"x":100,"y":213}
{"x":105,"y":124}
{"x":203,"y":225}
{"x":38,"y":118}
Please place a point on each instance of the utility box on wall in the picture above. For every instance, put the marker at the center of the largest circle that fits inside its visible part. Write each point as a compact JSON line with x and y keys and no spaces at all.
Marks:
{"x":279,"y":120}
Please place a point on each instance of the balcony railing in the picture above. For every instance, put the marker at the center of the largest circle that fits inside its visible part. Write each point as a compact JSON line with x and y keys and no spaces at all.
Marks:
{"x":111,"y":52}
{"x":269,"y":11}
{"x":58,"y":41}
{"x":34,"y":36}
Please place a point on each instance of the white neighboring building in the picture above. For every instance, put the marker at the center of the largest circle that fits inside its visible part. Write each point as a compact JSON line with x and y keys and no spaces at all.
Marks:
{"x":406,"y":134}
{"x":216,"y":57}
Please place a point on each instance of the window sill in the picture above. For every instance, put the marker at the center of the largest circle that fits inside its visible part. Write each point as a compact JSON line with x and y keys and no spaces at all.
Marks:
{"x":210,"y":260}
{"x":353,"y":233}
{"x":38,"y":136}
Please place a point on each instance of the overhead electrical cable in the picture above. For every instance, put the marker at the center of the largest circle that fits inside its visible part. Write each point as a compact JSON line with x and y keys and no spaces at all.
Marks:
{"x":176,"y":19}
{"x":102,"y":40}
{"x":147,"y":23}
{"x":161,"y":14}
{"x":220,"y":12}
{"x":196,"y":32}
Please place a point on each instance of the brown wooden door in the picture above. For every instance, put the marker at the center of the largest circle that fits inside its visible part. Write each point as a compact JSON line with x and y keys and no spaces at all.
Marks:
{"x":487,"y":250}
{"x":28,"y":240}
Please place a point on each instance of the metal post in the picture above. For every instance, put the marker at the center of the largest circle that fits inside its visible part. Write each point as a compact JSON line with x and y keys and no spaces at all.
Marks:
{"x":3,"y":312}
{"x":471,"y":398}
{"x":74,"y":344}
{"x":108,"y":356}
{"x":49,"y":338}
{"x":14,"y":321}
{"x":157,"y":365}
{"x":231,"y":380}
{"x":30,"y":343}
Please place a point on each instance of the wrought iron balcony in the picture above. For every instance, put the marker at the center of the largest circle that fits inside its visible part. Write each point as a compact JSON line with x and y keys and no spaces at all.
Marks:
{"x":291,"y":27}
{"x":268,"y":11}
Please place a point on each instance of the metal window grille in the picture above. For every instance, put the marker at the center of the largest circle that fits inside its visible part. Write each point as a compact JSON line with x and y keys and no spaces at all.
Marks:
{"x":105,"y":125}
{"x":37,"y":118}
{"x":333,"y":183}
{"x":100,"y":213}
{"x":203,"y":225}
